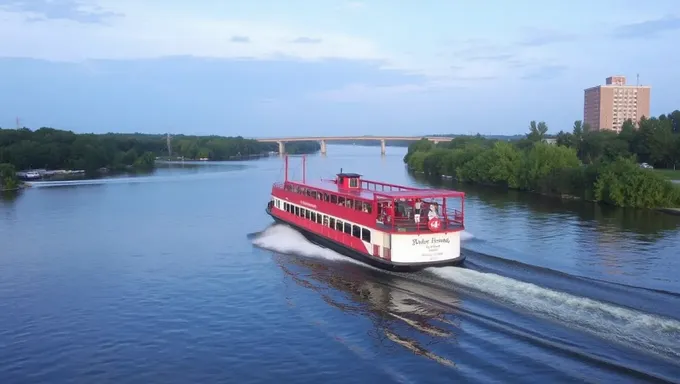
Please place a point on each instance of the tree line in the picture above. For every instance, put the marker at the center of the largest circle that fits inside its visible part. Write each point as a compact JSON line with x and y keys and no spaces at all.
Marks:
{"x":51,"y":148}
{"x":599,"y":166}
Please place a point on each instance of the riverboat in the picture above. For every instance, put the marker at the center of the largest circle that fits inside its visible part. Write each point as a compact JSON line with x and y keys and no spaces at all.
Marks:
{"x":389,"y":226}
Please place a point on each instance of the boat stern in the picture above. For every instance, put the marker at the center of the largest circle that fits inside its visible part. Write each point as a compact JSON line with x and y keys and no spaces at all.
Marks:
{"x":442,"y":248}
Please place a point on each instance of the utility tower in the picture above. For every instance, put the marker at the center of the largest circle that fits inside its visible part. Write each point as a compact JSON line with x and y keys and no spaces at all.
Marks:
{"x":169,"y":141}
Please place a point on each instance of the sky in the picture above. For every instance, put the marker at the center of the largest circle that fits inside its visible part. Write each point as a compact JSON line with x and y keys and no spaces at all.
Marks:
{"x":297,"y":68}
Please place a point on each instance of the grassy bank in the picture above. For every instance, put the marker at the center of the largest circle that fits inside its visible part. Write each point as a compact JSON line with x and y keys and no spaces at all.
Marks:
{"x":670,"y":174}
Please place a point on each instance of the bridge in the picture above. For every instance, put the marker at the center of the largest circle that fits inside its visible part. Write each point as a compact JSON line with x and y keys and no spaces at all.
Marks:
{"x":281,"y":141}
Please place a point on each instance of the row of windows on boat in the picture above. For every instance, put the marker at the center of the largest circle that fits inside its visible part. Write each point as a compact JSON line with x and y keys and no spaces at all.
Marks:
{"x":327,"y":221}
{"x":355,"y":204}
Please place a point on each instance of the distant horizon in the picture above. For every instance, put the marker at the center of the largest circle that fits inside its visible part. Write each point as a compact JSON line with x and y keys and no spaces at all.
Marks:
{"x":204,"y":68}
{"x":270,"y":137}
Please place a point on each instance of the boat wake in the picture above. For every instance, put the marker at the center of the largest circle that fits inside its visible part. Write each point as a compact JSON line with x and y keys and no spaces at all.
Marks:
{"x":636,"y":329}
{"x":615,"y":323}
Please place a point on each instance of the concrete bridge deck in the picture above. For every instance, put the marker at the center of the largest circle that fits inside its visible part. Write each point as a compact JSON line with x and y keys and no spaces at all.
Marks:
{"x":323,"y":139}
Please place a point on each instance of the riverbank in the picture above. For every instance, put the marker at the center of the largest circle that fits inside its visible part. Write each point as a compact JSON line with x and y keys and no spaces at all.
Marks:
{"x":545,"y":169}
{"x":670,"y":174}
{"x":670,"y":211}
{"x":562,"y":196}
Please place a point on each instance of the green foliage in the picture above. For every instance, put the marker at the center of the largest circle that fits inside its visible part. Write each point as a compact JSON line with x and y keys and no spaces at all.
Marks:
{"x":56,"y":149}
{"x":623,"y":183}
{"x":594,"y":165}
{"x":8,"y":177}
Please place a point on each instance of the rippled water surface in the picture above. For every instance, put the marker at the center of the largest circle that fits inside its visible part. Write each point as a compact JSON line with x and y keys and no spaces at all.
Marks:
{"x":181,"y":277}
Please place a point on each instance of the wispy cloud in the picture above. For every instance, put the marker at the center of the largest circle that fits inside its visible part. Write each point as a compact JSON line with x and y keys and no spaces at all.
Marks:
{"x":307,"y":40}
{"x":240,"y":39}
{"x":503,"y":57}
{"x":354,"y":5}
{"x":535,"y":37}
{"x":545,"y":72}
{"x":648,"y":29}
{"x":73,"y":10}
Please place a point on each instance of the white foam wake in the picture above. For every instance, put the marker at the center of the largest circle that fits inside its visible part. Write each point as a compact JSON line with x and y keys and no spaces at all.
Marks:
{"x":465,"y":235}
{"x":651,"y":332}
{"x":284,"y":239}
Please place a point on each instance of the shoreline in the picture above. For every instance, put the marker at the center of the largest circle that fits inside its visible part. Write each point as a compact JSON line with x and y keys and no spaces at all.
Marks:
{"x":667,"y":210}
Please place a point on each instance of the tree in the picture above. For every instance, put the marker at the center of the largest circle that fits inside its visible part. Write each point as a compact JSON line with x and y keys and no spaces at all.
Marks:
{"x":565,"y":139}
{"x":8,"y":177}
{"x":537,"y":131}
{"x":56,"y":149}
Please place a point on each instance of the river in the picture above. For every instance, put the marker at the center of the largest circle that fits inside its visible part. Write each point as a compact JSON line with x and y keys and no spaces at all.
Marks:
{"x":181,"y":277}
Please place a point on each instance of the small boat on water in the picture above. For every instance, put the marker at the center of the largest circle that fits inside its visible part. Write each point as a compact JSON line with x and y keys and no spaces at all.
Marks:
{"x":394,"y":227}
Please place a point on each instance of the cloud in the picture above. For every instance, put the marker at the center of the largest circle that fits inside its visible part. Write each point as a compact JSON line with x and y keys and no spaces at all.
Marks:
{"x":541,"y":37}
{"x":648,"y":29}
{"x":240,"y":39}
{"x":545,"y":72}
{"x":306,"y":40}
{"x":354,"y":5}
{"x":147,"y":31}
{"x":492,"y":57}
{"x":73,"y":10}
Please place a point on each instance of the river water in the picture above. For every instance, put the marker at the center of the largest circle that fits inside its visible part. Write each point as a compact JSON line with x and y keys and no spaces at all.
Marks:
{"x":180,"y":277}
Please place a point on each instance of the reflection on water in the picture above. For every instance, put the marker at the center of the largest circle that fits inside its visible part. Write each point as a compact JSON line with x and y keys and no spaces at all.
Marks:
{"x":399,"y":317}
{"x":8,"y":197}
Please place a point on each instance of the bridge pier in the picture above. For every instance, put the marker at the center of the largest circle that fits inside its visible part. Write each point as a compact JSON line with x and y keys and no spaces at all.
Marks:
{"x":282,"y":148}
{"x":323,"y":147}
{"x":382,"y":147}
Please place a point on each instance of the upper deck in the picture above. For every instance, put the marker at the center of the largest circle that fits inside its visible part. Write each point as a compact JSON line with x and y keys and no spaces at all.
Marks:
{"x":388,"y":206}
{"x":375,"y":190}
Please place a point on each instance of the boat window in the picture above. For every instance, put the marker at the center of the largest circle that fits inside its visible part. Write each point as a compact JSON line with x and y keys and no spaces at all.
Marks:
{"x":353,"y":182}
{"x":331,"y":222}
{"x":356,"y":231}
{"x":308,"y":214}
{"x":325,"y":220}
{"x":318,"y":218}
{"x":366,"y":235}
{"x":349,"y":203}
{"x":338,"y":225}
{"x":297,"y":211}
{"x":313,"y":214}
{"x":334,"y":199}
{"x":348,"y":228}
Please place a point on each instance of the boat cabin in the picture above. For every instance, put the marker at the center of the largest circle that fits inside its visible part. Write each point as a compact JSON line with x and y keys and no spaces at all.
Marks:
{"x":348,"y":180}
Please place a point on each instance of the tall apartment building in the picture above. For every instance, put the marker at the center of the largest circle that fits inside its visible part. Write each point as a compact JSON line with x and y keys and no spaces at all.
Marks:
{"x":608,"y":106}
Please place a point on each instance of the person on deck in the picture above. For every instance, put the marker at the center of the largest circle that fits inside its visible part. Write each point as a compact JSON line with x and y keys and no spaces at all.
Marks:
{"x":433,"y":212}
{"x":416,"y":215}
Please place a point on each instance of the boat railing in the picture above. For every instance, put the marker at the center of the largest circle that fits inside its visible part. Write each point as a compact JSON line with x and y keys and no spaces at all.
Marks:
{"x":378,"y":186}
{"x":452,"y":220}
{"x":454,"y":217}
